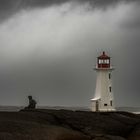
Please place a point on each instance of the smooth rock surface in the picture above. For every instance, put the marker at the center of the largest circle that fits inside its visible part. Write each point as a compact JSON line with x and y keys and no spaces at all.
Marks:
{"x":42,"y":124}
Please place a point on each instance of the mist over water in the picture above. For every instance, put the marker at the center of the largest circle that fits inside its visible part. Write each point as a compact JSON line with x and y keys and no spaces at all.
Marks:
{"x":50,"y":51}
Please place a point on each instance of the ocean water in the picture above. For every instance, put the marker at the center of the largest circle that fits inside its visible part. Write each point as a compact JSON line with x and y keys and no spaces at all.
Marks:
{"x":135,"y":110}
{"x":11,"y":108}
{"x":18,"y":108}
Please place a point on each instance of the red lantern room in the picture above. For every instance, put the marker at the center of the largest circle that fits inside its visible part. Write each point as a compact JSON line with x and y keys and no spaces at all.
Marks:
{"x":103,"y":61}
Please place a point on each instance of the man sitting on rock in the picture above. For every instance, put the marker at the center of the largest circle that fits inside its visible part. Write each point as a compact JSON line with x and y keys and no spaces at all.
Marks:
{"x":32,"y":103}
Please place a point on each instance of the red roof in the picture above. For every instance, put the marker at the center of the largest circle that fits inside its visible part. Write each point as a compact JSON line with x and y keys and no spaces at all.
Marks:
{"x":104,"y":56}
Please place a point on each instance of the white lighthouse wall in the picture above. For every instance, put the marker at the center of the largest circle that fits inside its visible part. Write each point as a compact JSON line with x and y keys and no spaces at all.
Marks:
{"x":93,"y":106}
{"x":102,"y":90}
{"x":111,"y":93}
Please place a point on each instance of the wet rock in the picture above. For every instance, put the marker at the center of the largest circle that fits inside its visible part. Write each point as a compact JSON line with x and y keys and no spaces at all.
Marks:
{"x":41,"y":124}
{"x":110,"y":137}
{"x":135,"y":134}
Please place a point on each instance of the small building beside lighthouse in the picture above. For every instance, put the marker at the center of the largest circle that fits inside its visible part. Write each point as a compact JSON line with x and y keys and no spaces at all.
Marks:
{"x":103,"y":98}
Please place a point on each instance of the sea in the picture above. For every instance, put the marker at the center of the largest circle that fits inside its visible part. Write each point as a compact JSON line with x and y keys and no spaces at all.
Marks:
{"x":18,"y":108}
{"x":135,"y":110}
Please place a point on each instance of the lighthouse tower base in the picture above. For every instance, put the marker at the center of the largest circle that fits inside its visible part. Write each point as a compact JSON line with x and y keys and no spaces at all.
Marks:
{"x":97,"y":106}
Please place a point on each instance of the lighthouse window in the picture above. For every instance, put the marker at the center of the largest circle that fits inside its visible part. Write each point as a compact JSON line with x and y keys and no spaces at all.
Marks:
{"x":110,"y":89}
{"x":105,"y":104}
{"x":111,"y":103}
{"x":109,"y":75}
{"x":102,"y":61}
{"x":107,"y":61}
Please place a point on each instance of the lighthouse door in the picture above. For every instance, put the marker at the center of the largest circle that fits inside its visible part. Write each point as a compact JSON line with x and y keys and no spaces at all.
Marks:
{"x":97,"y":105}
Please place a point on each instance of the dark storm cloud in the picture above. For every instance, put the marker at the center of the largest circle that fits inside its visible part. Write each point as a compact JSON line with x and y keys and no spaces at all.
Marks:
{"x":10,"y":7}
{"x":48,"y":48}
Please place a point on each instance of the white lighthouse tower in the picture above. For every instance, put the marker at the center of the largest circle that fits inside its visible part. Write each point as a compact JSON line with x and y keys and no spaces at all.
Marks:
{"x":103,"y":99}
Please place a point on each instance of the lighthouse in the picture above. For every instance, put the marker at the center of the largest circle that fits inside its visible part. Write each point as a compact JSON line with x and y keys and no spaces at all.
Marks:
{"x":103,"y":99}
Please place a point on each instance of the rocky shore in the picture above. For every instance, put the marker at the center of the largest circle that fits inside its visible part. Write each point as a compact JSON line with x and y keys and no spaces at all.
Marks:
{"x":45,"y":124}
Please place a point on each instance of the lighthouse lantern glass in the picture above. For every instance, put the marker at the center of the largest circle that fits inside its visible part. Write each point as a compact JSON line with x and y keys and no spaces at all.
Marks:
{"x":103,"y":62}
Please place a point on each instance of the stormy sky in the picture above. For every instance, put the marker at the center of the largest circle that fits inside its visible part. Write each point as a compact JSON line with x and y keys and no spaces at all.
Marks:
{"x":48,"y":49}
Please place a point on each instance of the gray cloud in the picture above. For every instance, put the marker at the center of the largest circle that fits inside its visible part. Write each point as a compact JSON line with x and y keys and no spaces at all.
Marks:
{"x":133,"y":20}
{"x":9,"y":8}
{"x":50,"y":52}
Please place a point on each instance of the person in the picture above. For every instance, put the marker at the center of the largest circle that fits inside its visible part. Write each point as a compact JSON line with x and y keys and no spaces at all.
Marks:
{"x":32,"y":103}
